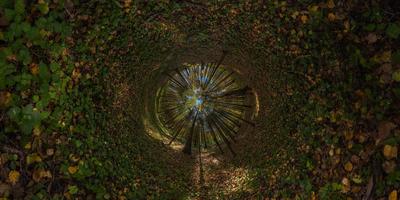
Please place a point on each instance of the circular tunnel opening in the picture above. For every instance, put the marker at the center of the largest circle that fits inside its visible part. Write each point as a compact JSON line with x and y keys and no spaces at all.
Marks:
{"x":203,"y":106}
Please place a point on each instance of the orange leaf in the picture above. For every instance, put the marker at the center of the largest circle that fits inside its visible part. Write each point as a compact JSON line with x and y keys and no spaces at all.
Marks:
{"x":34,"y":69}
{"x":13,"y":177}
{"x":72,"y":169}
{"x":393,"y":195}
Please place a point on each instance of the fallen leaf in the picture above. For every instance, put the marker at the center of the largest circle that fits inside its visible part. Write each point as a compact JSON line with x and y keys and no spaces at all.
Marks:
{"x":40,"y":174}
{"x":73,"y":189}
{"x":13,"y":177}
{"x":357,"y":179}
{"x":28,"y":146}
{"x":72,"y":169}
{"x":331,"y":152}
{"x":348,"y":166}
{"x":362,"y":137}
{"x":32,"y":158}
{"x":76,"y":74}
{"x":386,"y":56}
{"x":74,"y":158}
{"x":348,"y":135}
{"x":50,"y":152}
{"x":390,"y":151}
{"x":304,"y":19}
{"x":331,"y":17}
{"x":34,"y":68}
{"x":396,"y":76}
{"x":5,"y":99}
{"x":295,"y":14}
{"x":346,"y":185}
{"x":314,"y":8}
{"x":313,"y":196}
{"x":393,"y":195}
{"x":37,"y":131}
{"x":330,"y":4}
{"x":371,"y":38}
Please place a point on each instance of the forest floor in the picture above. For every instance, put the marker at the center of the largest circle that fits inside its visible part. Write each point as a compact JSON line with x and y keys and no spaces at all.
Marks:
{"x":72,"y":79}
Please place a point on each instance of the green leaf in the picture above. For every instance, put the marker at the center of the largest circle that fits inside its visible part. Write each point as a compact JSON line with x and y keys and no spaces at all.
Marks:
{"x":396,"y":76}
{"x":13,"y":113}
{"x":54,"y":67}
{"x":9,"y":14}
{"x":43,"y":72}
{"x":19,"y":7}
{"x":25,"y":26}
{"x":357,"y":179}
{"x":44,"y":8}
{"x":73,"y":189}
{"x":5,"y":70}
{"x":30,"y":118}
{"x":393,"y":31}
{"x":24,"y":56}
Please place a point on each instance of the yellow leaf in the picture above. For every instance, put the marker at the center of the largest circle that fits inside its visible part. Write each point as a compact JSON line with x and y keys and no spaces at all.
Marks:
{"x":393,"y":195}
{"x":304,"y":19}
{"x":348,"y":135}
{"x":348,"y":166}
{"x":28,"y":145}
{"x":331,"y":152}
{"x":32,"y":158}
{"x":295,"y":14}
{"x":330,"y":4}
{"x":331,"y":17}
{"x":76,"y":74}
{"x":72,"y":169}
{"x":40,"y":173}
{"x":386,"y":56}
{"x":34,"y":69}
{"x":13,"y":177}
{"x":74,"y":158}
{"x":390,"y":151}
{"x":127,"y":3}
{"x":5,"y":99}
{"x":346,"y":185}
{"x":313,"y":196}
{"x":314,"y":8}
{"x":36,"y":131}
